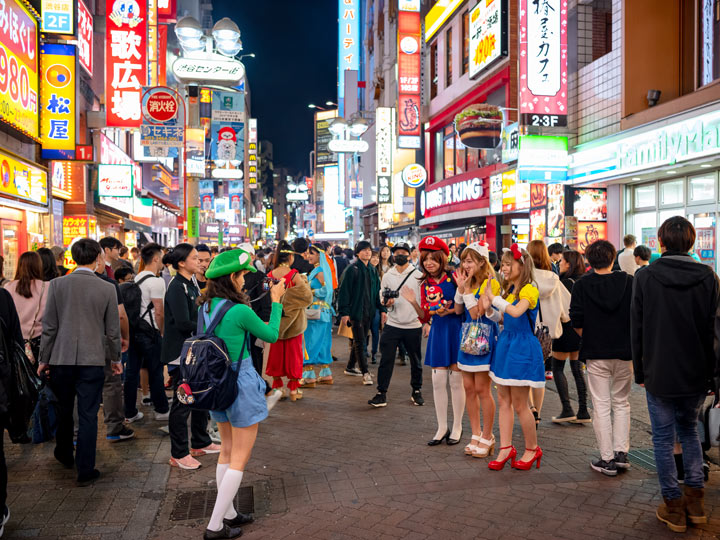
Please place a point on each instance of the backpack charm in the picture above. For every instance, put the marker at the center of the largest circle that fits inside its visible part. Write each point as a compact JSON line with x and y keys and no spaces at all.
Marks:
{"x":185,"y":395}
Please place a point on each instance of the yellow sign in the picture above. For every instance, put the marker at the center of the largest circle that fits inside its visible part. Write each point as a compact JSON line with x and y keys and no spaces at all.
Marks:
{"x":57,"y":91}
{"x":268,"y":218}
{"x":438,"y":15}
{"x":22,"y":180}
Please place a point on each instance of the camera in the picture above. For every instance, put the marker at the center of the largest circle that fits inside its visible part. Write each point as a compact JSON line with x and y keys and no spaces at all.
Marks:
{"x":388,"y":294}
{"x":268,"y":282}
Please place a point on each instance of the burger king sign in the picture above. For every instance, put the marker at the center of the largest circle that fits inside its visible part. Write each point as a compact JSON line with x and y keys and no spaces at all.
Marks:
{"x":414,"y":175}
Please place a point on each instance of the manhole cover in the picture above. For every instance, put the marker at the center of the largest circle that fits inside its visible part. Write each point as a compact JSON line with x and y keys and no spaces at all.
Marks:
{"x":645,"y":459}
{"x":199,"y":504}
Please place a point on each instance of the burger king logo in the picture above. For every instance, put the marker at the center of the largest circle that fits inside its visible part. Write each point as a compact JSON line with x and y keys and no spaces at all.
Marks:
{"x":414,"y":175}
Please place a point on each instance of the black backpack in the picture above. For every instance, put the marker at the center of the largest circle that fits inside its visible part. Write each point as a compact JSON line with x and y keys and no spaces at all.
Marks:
{"x":132,"y":298}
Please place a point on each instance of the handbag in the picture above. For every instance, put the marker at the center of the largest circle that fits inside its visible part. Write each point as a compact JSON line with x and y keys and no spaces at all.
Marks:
{"x":542,"y":333}
{"x":314,"y":311}
{"x":345,"y":330}
{"x":475,"y":338}
{"x":32,"y":344}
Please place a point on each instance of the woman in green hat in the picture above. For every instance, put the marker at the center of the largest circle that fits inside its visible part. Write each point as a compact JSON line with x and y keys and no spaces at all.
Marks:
{"x":238,"y":425}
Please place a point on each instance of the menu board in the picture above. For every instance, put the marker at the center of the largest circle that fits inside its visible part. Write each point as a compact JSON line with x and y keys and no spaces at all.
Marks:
{"x":589,"y":204}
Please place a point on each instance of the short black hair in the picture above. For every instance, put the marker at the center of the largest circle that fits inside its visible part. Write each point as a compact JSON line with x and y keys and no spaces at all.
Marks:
{"x":178,"y":254}
{"x":600,"y":254}
{"x":300,"y":245}
{"x":203,"y":248}
{"x":643,"y":252}
{"x":677,"y":234}
{"x":122,"y":273}
{"x":85,"y":251}
{"x":148,"y":252}
{"x":555,"y":249}
{"x":338,"y":251}
{"x":110,"y":242}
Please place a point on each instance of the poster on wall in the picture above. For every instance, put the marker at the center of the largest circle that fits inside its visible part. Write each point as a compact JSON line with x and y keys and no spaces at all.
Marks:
{"x":589,"y":204}
{"x":538,"y":195}
{"x":385,"y":129}
{"x":556,"y":210}
{"x":537,"y":224}
{"x":488,"y":35}
{"x":509,"y":179}
{"x":589,"y":232}
{"x":571,"y":232}
{"x":496,"y":194}
{"x":227,"y":134}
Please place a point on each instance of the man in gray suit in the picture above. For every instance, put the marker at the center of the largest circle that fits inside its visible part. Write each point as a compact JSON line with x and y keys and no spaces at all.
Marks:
{"x":80,"y":330}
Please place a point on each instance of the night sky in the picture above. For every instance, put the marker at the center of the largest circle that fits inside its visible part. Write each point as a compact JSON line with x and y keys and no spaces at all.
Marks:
{"x":296,"y":46}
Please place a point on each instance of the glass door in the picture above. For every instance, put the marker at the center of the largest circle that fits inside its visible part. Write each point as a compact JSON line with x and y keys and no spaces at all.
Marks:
{"x":10,"y":247}
{"x":705,"y":242}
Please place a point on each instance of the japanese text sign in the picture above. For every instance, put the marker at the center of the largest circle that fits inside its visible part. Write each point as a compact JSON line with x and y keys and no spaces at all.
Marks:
{"x":385,"y":129}
{"x":115,"y":180}
{"x":488,"y":34}
{"x":85,"y":37}
{"x":58,"y":105}
{"x":18,"y":67}
{"x":409,"y":35}
{"x":22,"y":180}
{"x":543,"y":62}
{"x":74,"y":227}
{"x":163,"y":119}
{"x":125,"y":62}
{"x":252,"y":153}
{"x":57,"y":16}
{"x":152,"y":42}
{"x":348,"y":40}
{"x":227,"y":141}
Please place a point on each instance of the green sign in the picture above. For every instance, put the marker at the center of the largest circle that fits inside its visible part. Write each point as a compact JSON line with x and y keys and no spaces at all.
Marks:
{"x":220,"y":236}
{"x":193,"y":222}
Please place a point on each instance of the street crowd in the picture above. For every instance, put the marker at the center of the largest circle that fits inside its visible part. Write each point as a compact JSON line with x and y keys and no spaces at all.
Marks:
{"x":126,"y":327}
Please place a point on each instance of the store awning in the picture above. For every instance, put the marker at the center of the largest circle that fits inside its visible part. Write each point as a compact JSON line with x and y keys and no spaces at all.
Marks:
{"x":400,"y":231}
{"x":445,"y":233}
{"x":135,"y":226}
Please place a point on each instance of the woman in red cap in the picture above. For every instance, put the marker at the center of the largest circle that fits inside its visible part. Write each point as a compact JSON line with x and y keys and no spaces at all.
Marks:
{"x":438,"y":293}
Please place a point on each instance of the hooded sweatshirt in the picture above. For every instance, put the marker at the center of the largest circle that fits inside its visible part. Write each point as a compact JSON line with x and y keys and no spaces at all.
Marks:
{"x":554,"y":301}
{"x":674,"y":325}
{"x":600,"y":305}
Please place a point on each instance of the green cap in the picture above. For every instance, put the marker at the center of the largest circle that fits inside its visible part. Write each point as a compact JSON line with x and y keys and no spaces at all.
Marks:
{"x":229,"y":262}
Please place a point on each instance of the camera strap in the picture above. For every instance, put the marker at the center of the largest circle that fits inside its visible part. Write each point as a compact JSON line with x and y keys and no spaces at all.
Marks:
{"x":404,"y":280}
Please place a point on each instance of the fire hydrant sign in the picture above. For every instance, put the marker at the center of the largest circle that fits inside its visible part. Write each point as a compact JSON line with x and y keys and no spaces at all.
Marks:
{"x":163,"y":118}
{"x":126,"y":61}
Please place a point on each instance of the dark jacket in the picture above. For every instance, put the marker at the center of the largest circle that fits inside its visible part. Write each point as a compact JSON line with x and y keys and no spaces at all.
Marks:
{"x":259,"y":299}
{"x":600,"y":305}
{"x":674,"y":326}
{"x":181,"y":313}
{"x":359,"y":292}
{"x":341,"y":263}
{"x":10,"y":325}
{"x":301,"y":265}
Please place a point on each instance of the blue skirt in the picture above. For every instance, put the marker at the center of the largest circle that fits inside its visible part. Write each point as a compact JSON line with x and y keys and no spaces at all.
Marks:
{"x":444,"y":341}
{"x":318,"y":342}
{"x":518,"y":360}
{"x":249,"y":406}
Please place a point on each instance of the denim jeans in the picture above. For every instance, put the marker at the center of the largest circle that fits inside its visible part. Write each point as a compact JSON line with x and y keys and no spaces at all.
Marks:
{"x":671,"y":416}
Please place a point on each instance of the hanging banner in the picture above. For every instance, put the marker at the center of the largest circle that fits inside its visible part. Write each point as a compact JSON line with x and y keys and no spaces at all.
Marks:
{"x":348,"y":42}
{"x":193,"y":222}
{"x":409,"y":38}
{"x":235,"y":194}
{"x":207,"y":195}
{"x":195,"y":152}
{"x":18,"y":67}
{"x":152,"y":43}
{"x":57,"y":90}
{"x":57,"y":17}
{"x":227,"y":134}
{"x":543,"y":63}
{"x":125,"y":62}
{"x":85,"y":37}
{"x":115,"y":180}
{"x":252,"y":172}
{"x":488,"y":35}
{"x":384,"y":131}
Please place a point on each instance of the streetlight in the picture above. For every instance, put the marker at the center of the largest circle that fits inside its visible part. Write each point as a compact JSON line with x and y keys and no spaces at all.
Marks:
{"x":250,"y":55}
{"x":331,"y":104}
{"x":313,"y":106}
{"x":227,"y":37}
{"x":225,"y":34}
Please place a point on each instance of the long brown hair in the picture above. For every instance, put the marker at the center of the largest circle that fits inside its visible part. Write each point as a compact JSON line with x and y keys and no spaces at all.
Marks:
{"x":222,"y":287}
{"x":540,"y":256}
{"x":575,"y":262}
{"x":439,"y":257}
{"x":29,"y":269}
{"x":483,"y":268}
{"x":527,"y":272}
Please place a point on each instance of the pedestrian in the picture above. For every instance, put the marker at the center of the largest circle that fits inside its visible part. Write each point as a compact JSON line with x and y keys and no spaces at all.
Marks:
{"x":3,"y":279}
{"x":180,"y":312}
{"x":453,"y":259}
{"x":59,"y":254}
{"x":81,"y":335}
{"x":567,"y":347}
{"x":674,"y":325}
{"x":341,"y":261}
{"x":135,"y":258}
{"x":626,"y":258}
{"x":111,"y":249}
{"x":555,"y":252}
{"x":554,"y":307}
{"x":386,"y":259}
{"x":400,"y":293}
{"x":442,"y":326}
{"x":124,"y":275}
{"x":238,"y":424}
{"x":204,"y":258}
{"x":375,"y":323}
{"x":517,"y":363}
{"x":123,"y":260}
{"x":259,"y":260}
{"x":287,"y":353}
{"x":471,"y":277}
{"x":415,"y":258}
{"x":300,"y":263}
{"x":50,"y":270}
{"x":358,"y":298}
{"x":642,"y":256}
{"x":494,"y":261}
{"x":146,"y":338}
{"x":600,"y":313}
{"x":318,"y":335}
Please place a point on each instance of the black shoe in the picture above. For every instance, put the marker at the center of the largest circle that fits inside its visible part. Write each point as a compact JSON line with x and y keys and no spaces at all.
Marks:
{"x":566,"y":415}
{"x":435,"y":442}
{"x":378,"y":401}
{"x":123,"y":435}
{"x":606,"y":467}
{"x":621,"y":460}
{"x":66,"y":461}
{"x":372,"y":359}
{"x":452,"y":442}
{"x":86,"y":479}
{"x":5,"y":519}
{"x":240,"y":519}
{"x":403,"y":361}
{"x":706,"y":470}
{"x":417,"y":398}
{"x":225,"y":532}
{"x":582,"y":417}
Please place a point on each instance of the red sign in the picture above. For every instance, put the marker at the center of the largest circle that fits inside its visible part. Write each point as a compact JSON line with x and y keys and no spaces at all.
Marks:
{"x":167,"y":12}
{"x":309,"y":183}
{"x":126,"y":63}
{"x":84,"y":152}
{"x":589,"y":232}
{"x":162,"y":57}
{"x":161,"y":107}
{"x":85,"y":37}
{"x":408,"y":115}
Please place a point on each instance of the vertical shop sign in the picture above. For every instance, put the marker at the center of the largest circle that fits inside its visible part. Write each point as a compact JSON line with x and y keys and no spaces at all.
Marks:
{"x":152,"y":43}
{"x":193,"y":222}
{"x":348,"y":42}
{"x":235,"y":195}
{"x":323,"y":155}
{"x":385,"y":128}
{"x":207,"y":195}
{"x":543,"y":62}
{"x":57,"y":91}
{"x":162,"y":55}
{"x":252,"y":171}
{"x":167,"y":11}
{"x":125,"y":63}
{"x":85,"y":37}
{"x":488,"y":35}
{"x":18,"y":67}
{"x":57,"y":17}
{"x":409,"y":37}
{"x":195,"y":152}
{"x":162,"y":131}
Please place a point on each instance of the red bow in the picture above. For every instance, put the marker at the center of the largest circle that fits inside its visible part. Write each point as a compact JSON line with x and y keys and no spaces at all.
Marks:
{"x":516,"y":253}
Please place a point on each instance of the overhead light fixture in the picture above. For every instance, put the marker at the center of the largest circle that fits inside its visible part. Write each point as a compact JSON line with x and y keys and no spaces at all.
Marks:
{"x":226,"y":30}
{"x":228,"y":48}
{"x":358,"y":127}
{"x":193,"y":44}
{"x":292,"y":187}
{"x":331,"y":104}
{"x":670,"y":172}
{"x":187,"y":28}
{"x":337,"y":126}
{"x":706,"y":165}
{"x":635,"y":178}
{"x":653,"y":96}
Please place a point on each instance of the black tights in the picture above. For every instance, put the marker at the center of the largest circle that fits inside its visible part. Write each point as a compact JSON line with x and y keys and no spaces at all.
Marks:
{"x":558,"y":368}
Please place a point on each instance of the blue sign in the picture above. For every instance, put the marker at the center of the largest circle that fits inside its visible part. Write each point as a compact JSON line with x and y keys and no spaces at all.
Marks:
{"x":310,"y":233}
{"x":227,"y":132}
{"x":57,"y":16}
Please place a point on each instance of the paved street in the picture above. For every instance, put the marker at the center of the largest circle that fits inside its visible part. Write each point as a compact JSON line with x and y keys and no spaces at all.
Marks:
{"x":330,"y":467}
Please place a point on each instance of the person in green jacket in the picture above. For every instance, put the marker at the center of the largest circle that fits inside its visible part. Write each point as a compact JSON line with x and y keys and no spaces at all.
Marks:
{"x":238,"y":425}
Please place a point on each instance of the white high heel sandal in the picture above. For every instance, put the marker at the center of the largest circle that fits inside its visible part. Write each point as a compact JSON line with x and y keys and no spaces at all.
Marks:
{"x":485,"y":452}
{"x":470,"y":448}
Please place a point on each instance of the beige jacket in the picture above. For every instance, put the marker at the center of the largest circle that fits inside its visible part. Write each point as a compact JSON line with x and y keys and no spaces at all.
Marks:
{"x":554,"y":302}
{"x":296,"y":299}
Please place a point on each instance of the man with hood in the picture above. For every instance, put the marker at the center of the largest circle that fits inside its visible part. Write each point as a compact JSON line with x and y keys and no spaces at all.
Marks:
{"x":674,"y":326}
{"x":600,"y":313}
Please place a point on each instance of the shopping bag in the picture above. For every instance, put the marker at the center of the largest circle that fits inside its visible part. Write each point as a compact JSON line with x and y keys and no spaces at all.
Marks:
{"x":475,"y":338}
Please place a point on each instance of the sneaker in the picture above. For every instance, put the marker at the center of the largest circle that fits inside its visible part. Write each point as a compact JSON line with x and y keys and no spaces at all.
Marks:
{"x":214,"y":436}
{"x":146,"y":401}
{"x":123,"y":435}
{"x":582,"y":417}
{"x":566,"y":415}
{"x":162,"y":417}
{"x":372,"y":359}
{"x":211,"y":448}
{"x":378,"y":401}
{"x":138,"y":416}
{"x":188,"y":463}
{"x":5,"y":519}
{"x":164,"y":429}
{"x":548,"y":376}
{"x":403,"y":360}
{"x":706,"y":470}
{"x":354,"y":372}
{"x":367,"y":379}
{"x":621,"y":460}
{"x":606,"y":467}
{"x":272,"y":398}
{"x":417,"y":398}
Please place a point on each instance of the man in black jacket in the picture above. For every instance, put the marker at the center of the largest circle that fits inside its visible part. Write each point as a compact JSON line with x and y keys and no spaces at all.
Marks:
{"x":674,"y":325}
{"x":300,"y":247}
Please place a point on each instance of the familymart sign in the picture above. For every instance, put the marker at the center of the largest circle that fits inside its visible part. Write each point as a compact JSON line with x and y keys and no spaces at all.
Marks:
{"x":674,"y":143}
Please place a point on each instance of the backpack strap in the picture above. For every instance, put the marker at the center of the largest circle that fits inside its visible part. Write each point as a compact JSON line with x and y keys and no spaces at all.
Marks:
{"x":212,"y":319}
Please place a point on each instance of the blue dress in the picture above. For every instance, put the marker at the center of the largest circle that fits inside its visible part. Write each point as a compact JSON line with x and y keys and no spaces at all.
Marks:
{"x":318,"y":335}
{"x":518,"y":359}
{"x":444,"y":340}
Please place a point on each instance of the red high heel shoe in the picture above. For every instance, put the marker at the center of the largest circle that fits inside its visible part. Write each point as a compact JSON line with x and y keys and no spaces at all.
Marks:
{"x":498,"y":465}
{"x":527,"y":465}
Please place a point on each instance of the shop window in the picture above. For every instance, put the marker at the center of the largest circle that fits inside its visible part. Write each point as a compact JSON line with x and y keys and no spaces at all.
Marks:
{"x":449,"y":155}
{"x":460,"y":152}
{"x":645,"y":229}
{"x":433,"y":70}
{"x":645,"y":196}
{"x":472,"y":159}
{"x":601,"y":30}
{"x":439,"y":157}
{"x":671,"y":193}
{"x":466,"y":43}
{"x":702,"y":188}
{"x":448,"y":57}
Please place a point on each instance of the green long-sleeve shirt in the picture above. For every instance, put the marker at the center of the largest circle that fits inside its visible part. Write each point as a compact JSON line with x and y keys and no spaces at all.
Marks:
{"x":241,"y":318}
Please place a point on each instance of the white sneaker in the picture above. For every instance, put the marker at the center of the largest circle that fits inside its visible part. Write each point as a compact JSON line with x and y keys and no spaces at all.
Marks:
{"x":162,"y":417}
{"x":138,"y":416}
{"x":367,"y":379}
{"x":272,"y":398}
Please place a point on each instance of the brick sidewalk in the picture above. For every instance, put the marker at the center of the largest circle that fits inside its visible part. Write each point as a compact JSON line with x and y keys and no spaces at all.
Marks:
{"x":330,"y":466}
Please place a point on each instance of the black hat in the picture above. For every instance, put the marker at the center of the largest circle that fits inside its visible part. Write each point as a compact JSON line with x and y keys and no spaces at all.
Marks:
{"x":401,"y":245}
{"x":362,"y":244}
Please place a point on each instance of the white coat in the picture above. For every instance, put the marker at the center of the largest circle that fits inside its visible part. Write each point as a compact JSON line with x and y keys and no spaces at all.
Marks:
{"x":554,"y":302}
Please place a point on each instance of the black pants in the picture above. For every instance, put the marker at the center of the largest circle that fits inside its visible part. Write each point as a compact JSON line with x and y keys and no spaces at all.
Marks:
{"x":360,"y":331}
{"x":257,"y":360}
{"x":177,"y":424}
{"x":3,"y":466}
{"x":393,"y":337}
{"x":144,"y":352}
{"x":85,"y":382}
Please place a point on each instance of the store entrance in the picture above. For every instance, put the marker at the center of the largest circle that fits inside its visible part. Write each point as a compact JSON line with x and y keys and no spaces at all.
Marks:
{"x":11,"y":248}
{"x":705,"y":241}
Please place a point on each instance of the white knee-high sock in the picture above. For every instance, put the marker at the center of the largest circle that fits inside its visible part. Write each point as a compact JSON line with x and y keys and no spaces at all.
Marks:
{"x":458,"y":402}
{"x":219,"y":474}
{"x":440,"y":397}
{"x":226,"y":493}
